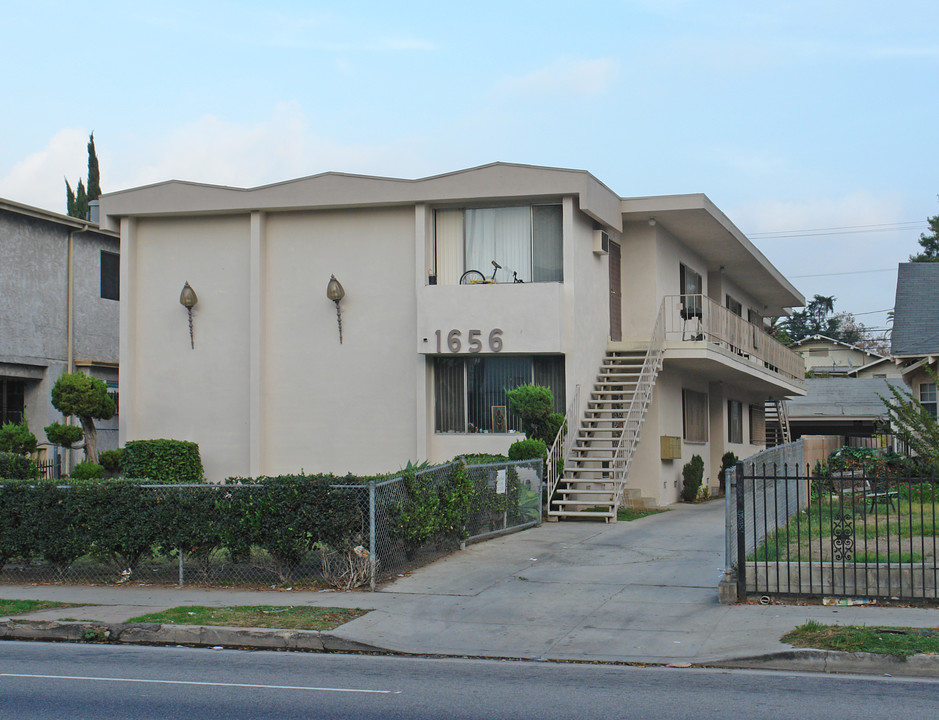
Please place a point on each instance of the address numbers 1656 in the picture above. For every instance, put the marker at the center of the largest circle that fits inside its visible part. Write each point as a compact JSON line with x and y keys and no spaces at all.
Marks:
{"x":474,"y":344}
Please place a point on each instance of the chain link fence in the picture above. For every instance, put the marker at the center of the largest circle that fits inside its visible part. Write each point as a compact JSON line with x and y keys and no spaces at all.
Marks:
{"x":291,"y":535}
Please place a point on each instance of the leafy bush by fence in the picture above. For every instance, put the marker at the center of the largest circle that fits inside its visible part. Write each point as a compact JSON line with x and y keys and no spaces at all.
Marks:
{"x":285,"y":529}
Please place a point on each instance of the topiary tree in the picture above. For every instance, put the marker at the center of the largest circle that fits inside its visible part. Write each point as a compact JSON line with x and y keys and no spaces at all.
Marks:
{"x":87,"y":399}
{"x":534,"y":404}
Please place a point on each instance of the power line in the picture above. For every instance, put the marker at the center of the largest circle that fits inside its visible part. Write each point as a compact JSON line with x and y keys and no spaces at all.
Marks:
{"x":843,"y":230}
{"x":851,"y":272}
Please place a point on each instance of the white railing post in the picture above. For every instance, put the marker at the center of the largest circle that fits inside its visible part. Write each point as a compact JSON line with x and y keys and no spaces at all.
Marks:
{"x":562,"y":442}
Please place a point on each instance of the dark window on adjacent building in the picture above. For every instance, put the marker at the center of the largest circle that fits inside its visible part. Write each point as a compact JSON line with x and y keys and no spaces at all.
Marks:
{"x":927,"y":398}
{"x":12,"y":398}
{"x":466,"y":389}
{"x":110,"y":275}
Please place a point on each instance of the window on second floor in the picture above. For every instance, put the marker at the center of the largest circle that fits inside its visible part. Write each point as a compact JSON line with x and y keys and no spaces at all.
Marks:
{"x":735,"y":306}
{"x":525,"y":240}
{"x":110,"y":275}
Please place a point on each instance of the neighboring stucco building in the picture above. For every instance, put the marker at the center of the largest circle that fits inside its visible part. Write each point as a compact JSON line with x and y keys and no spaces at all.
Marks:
{"x":915,"y":336}
{"x":826,"y":357}
{"x":59,"y":312}
{"x":265,"y":386}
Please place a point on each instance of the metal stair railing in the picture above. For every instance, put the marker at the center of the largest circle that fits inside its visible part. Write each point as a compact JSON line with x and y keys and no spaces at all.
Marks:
{"x":561,"y":447}
{"x":642,"y":395}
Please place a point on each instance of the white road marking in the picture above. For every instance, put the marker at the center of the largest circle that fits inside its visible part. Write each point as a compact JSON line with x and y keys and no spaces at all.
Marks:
{"x":193,"y":682}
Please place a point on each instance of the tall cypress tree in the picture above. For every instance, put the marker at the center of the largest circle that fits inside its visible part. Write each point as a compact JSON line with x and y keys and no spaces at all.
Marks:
{"x":77,"y":202}
{"x":94,"y":177}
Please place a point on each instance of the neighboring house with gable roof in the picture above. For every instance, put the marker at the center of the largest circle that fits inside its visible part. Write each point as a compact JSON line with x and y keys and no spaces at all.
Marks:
{"x":915,"y":338}
{"x":825,"y":356}
{"x":639,"y":313}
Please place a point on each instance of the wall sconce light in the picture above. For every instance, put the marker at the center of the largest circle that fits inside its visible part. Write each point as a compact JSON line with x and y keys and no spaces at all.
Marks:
{"x":188,"y":299}
{"x":652,"y":221}
{"x":335,"y":293}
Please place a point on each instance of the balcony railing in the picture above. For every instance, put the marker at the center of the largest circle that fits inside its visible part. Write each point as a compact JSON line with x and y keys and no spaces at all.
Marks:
{"x":697,"y":318}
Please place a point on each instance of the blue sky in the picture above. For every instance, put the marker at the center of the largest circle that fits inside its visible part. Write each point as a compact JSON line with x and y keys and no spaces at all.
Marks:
{"x":793,"y":118}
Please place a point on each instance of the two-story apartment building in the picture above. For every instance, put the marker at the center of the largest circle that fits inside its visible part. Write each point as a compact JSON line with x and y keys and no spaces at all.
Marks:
{"x":601,"y":298}
{"x":59,"y":312}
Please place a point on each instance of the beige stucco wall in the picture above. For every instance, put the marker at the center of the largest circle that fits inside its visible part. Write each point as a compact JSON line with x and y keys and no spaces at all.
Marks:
{"x":184,"y":393}
{"x":332,"y":406}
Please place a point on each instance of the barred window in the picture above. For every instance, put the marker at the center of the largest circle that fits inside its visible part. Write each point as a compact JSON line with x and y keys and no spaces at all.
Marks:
{"x":694,"y":413}
{"x":466,"y":389}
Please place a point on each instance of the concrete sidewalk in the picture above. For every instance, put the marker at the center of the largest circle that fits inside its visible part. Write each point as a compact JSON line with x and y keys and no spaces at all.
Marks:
{"x":642,"y":591}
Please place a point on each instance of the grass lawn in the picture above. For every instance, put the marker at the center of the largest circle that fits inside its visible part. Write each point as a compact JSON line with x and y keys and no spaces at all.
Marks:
{"x":18,"y":607}
{"x":627,"y":514}
{"x":897,"y":641}
{"x":905,"y":534}
{"x":260,"y":616}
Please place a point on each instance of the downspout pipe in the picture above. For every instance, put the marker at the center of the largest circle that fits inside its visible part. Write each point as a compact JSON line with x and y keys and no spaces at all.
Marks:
{"x":70,"y":323}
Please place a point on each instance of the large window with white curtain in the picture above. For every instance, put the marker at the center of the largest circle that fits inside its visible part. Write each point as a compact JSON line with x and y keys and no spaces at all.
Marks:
{"x":466,"y":389}
{"x":525,"y":240}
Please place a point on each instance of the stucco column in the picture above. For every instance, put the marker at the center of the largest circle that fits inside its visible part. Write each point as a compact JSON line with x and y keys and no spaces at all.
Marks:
{"x":256,"y":281}
{"x":127,"y":381}
{"x":423,"y":256}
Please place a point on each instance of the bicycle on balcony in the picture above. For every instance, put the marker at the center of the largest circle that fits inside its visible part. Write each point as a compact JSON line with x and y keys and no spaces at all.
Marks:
{"x":475,"y":277}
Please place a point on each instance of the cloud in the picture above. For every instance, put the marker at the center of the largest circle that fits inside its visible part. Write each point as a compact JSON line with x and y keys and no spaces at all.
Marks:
{"x":210,"y":150}
{"x":565,"y":76}
{"x":852,"y":210}
{"x":39,"y":178}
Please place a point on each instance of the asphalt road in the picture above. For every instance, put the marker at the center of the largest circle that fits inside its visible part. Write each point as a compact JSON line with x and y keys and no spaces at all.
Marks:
{"x":41,"y":681}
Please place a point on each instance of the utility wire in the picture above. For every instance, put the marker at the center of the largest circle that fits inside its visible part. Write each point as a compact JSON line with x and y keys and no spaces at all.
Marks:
{"x":850,"y":272}
{"x":844,"y":230}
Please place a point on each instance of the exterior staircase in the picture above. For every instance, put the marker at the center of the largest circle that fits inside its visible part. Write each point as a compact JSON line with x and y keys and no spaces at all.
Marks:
{"x":589,"y":486}
{"x":777,"y":423}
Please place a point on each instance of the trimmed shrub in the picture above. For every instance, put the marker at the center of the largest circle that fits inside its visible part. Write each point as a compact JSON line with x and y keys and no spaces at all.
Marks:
{"x":163,"y":461}
{"x":534,"y":404}
{"x":728,"y":460}
{"x":530,"y":449}
{"x":692,"y":474}
{"x":17,"y":438}
{"x":17,"y":467}
{"x":87,"y":470}
{"x":110,"y":460}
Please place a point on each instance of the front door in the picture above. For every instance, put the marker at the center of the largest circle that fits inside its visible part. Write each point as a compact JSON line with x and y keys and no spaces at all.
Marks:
{"x":616,"y":295}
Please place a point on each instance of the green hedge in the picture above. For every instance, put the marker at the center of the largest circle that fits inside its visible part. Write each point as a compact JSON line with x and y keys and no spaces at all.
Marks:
{"x":163,"y":461}
{"x":16,"y":466}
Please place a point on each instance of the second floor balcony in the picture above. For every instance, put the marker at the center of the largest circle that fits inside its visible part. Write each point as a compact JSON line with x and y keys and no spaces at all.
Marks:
{"x":699,"y":321}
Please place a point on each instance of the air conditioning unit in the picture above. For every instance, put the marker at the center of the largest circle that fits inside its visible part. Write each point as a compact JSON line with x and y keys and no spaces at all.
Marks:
{"x":601,"y":242}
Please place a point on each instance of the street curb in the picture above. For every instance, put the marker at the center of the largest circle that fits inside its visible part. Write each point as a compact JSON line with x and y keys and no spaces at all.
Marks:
{"x":832,"y":661}
{"x":804,"y":660}
{"x":191,"y":635}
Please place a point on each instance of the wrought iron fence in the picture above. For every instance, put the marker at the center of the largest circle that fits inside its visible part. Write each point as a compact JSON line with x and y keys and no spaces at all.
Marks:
{"x":247,"y":535}
{"x":847,"y":535}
